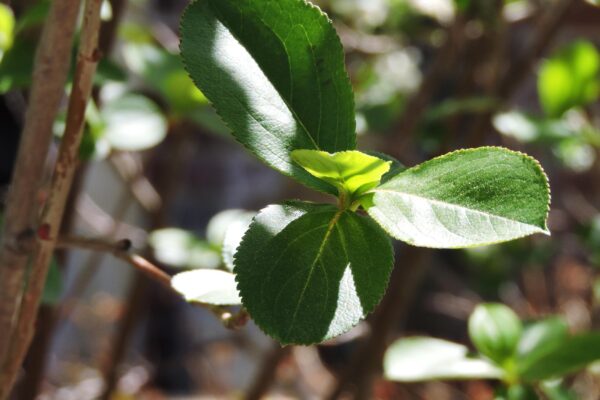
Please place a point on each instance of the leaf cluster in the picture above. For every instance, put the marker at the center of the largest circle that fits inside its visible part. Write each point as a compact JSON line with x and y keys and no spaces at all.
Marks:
{"x":274,"y":71}
{"x":523,"y":356}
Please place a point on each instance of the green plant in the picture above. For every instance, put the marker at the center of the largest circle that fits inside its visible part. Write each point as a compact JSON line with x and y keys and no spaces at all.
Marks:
{"x":525,"y":357}
{"x":274,"y":71}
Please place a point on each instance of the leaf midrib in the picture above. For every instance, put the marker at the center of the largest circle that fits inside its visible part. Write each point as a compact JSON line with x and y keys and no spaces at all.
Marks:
{"x":330,"y":228}
{"x":281,"y":96}
{"x":452,"y":205}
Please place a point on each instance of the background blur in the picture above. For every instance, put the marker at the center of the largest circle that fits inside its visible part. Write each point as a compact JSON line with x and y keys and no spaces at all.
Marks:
{"x":430,"y":76}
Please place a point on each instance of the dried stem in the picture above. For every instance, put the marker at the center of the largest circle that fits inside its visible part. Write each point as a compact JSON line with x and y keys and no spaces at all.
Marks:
{"x":87,"y":59}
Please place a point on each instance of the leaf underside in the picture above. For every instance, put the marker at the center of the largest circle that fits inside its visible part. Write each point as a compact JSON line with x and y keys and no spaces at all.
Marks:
{"x":465,"y":198}
{"x":274,"y":71}
{"x":207,"y":286}
{"x":309,"y":272}
{"x":416,"y":359}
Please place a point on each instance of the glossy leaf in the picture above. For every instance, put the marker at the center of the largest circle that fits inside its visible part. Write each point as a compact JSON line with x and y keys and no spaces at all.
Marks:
{"x":570,"y":78}
{"x":207,"y":286}
{"x":422,"y":358}
{"x":133,"y":123}
{"x":181,"y":248}
{"x":495,"y":330}
{"x":274,"y":70}
{"x":562,"y":358}
{"x":308,"y":272}
{"x":464,"y":198}
{"x":352,"y":172}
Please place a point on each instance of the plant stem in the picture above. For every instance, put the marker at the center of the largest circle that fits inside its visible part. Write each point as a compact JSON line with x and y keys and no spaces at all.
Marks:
{"x":52,"y":64}
{"x":87,"y":59}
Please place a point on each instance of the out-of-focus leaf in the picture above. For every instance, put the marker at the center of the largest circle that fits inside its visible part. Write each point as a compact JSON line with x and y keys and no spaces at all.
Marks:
{"x":495,"y":330}
{"x":561,"y":358}
{"x":183,"y":249}
{"x":233,"y":237}
{"x":540,"y":336}
{"x":207,"y":286}
{"x":16,"y":66}
{"x":516,"y":392}
{"x":7,"y":28}
{"x":570,"y":78}
{"x":133,"y":123}
{"x":53,"y":286}
{"x":554,"y":390}
{"x":33,"y":16}
{"x":422,"y":358}
{"x":470,"y":105}
{"x":218,"y":225}
{"x":164,"y":72}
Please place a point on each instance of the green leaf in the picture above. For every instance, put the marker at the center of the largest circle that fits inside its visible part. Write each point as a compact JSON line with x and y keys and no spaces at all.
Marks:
{"x":207,"y":286}
{"x":540,"y":337}
{"x":464,"y":198}
{"x":7,"y":27}
{"x":182,"y":249}
{"x":352,"y":172}
{"x":562,"y":358}
{"x":274,"y":70}
{"x":133,"y":123}
{"x":554,"y":390}
{"x":233,"y":237}
{"x":422,"y":359}
{"x":308,"y":272}
{"x":16,"y":68}
{"x":54,"y":286}
{"x":495,"y":330}
{"x":570,"y":78}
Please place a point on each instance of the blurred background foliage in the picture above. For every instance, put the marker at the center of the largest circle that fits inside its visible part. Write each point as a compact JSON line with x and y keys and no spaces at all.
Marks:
{"x":430,"y":76}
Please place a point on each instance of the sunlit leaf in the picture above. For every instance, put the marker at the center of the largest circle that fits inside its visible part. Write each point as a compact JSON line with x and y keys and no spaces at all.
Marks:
{"x":7,"y":27}
{"x":133,"y":123}
{"x":233,"y":237}
{"x":180,"y":248}
{"x":310,"y":272}
{"x":275,"y":73}
{"x":352,"y":172}
{"x":207,"y":286}
{"x":54,"y":286}
{"x":422,"y":358}
{"x":570,"y":78}
{"x":464,"y":198}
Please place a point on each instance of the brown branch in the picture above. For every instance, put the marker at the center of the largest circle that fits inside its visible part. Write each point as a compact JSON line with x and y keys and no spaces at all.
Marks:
{"x":267,"y":373}
{"x":87,"y":59}
{"x":50,"y":74}
{"x":120,"y":249}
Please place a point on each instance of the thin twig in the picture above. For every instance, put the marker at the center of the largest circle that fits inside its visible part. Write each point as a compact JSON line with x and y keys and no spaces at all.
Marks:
{"x":50,"y":74}
{"x":87,"y":60}
{"x":120,"y":249}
